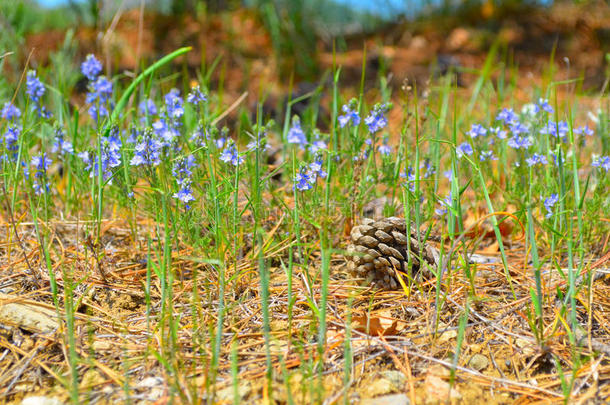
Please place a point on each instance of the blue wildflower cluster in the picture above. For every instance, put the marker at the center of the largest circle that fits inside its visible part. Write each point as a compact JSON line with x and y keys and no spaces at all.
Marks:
{"x":350,"y":114}
{"x":35,"y":90}
{"x":307,"y":175}
{"x":109,"y":158}
{"x":60,"y":144}
{"x":147,"y":150}
{"x":11,"y":139}
{"x":10,"y":112}
{"x":376,"y":119}
{"x":41,"y":164}
{"x":99,"y":96}
{"x":182,"y":172}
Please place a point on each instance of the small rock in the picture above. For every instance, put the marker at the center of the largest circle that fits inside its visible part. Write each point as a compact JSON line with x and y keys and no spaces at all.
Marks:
{"x":41,"y":401}
{"x":478,"y":362}
{"x":394,"y":399}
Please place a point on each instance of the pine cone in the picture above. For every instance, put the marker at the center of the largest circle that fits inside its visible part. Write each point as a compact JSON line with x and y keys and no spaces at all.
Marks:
{"x":379,"y":248}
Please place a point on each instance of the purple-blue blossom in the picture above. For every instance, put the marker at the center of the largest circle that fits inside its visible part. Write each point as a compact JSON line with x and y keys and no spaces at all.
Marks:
{"x":385,"y":149}
{"x":376,"y":119}
{"x":91,"y":67}
{"x":11,"y":137}
{"x":409,"y":175}
{"x":302,"y":180}
{"x":147,"y":150}
{"x":182,"y":172}
{"x":174,"y":105}
{"x":520,"y":142}
{"x":543,"y":104}
{"x":166,"y":133}
{"x":60,"y":144}
{"x":445,"y":203}
{"x":584,"y":130}
{"x":110,"y":156}
{"x":230,"y":155}
{"x":518,"y":128}
{"x":100,"y":92}
{"x":499,"y":132}
{"x":603,"y":162}
{"x":549,"y":203}
{"x":476,"y":130}
{"x":487,"y":155}
{"x":34,"y":87}
{"x":463,"y":149}
{"x":196,"y":96}
{"x":315,"y":170}
{"x":507,"y":115}
{"x":10,"y":112}
{"x":147,"y":107}
{"x":557,"y":130}
{"x":183,"y":168}
{"x":41,"y":164}
{"x":536,"y":159}
{"x":296,"y":134}
{"x":350,"y":114}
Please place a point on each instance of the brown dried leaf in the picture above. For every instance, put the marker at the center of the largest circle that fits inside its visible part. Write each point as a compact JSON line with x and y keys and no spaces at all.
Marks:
{"x":378,"y":324}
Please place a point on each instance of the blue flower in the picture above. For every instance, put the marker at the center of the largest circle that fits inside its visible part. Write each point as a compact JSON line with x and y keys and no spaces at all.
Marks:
{"x":296,"y":134}
{"x":165,"y":132}
{"x":507,"y":115}
{"x":100,"y":92}
{"x":185,"y":194}
{"x":376,"y":119}
{"x":260,"y":144}
{"x":315,"y":170}
{"x":147,"y":107}
{"x":302,"y":180}
{"x":10,"y":112}
{"x":410,"y":176}
{"x":196,"y":96}
{"x":585,"y":130}
{"x":430,"y":170}
{"x":230,"y":155}
{"x":11,"y":136}
{"x":543,"y":104}
{"x":499,"y":132}
{"x":147,"y":150}
{"x":60,"y":144}
{"x":445,"y":203}
{"x":174,"y":104}
{"x":556,"y":158}
{"x":603,"y":162}
{"x":41,"y":164}
{"x":520,"y":142}
{"x":350,"y":114}
{"x":536,"y":159}
{"x":317,"y":146}
{"x":549,"y":203}
{"x":34,"y":87}
{"x":463,"y":149}
{"x":91,"y":67}
{"x":110,"y":156}
{"x":385,"y":149}
{"x":557,"y":130}
{"x":487,"y":155}
{"x":182,"y":170}
{"x":518,"y":128}
{"x":476,"y":130}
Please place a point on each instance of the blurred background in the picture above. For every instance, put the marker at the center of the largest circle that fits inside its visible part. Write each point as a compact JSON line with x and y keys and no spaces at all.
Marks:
{"x":280,"y":47}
